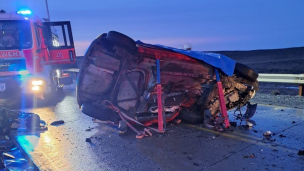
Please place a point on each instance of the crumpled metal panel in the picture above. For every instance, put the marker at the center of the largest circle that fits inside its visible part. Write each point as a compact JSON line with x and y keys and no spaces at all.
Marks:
{"x":222,"y":62}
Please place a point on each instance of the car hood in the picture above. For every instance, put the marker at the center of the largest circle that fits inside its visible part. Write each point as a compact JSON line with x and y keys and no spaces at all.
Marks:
{"x":222,"y":62}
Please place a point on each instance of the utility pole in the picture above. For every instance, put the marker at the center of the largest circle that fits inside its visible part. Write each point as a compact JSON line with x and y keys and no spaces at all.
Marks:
{"x":47,"y":10}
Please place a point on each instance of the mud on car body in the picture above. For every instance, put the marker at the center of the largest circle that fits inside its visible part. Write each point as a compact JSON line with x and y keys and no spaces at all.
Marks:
{"x":122,"y":71}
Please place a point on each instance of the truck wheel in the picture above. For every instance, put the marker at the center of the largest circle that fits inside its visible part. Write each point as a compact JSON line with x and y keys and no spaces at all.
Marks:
{"x":191,"y":117}
{"x":100,"y":113}
{"x":53,"y":85}
{"x":244,"y":71}
{"x":122,"y":40}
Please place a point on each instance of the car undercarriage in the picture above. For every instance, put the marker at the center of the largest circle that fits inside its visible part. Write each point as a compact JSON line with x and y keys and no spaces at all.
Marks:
{"x":119,"y":70}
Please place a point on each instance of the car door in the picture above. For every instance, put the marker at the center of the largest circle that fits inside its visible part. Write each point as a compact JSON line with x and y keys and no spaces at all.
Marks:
{"x":59,"y":40}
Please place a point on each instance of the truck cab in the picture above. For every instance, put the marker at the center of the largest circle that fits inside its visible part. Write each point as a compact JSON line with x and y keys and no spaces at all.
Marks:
{"x":33,"y":54}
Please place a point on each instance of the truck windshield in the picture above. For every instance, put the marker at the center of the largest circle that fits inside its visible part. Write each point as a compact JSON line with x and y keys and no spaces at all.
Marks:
{"x":15,"y":34}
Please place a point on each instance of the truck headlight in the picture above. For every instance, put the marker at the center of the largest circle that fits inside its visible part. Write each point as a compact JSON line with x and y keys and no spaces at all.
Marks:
{"x":35,"y":88}
{"x":37,"y":82}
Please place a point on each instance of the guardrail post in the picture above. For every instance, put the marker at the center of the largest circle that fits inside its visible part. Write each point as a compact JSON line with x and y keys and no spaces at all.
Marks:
{"x":301,"y":93}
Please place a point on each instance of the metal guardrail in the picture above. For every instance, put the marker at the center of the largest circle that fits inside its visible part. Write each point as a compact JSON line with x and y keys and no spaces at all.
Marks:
{"x":284,"y":78}
{"x":272,"y":78}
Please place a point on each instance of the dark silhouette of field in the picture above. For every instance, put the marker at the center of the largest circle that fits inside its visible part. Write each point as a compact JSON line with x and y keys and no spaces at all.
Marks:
{"x":283,"y":61}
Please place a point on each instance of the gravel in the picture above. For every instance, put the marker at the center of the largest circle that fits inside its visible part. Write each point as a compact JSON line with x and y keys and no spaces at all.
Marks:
{"x":279,"y":100}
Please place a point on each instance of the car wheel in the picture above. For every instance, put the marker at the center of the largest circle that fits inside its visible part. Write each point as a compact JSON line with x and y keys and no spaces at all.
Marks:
{"x":244,"y":71}
{"x":191,"y":117}
{"x":100,"y":113}
{"x":122,"y":40}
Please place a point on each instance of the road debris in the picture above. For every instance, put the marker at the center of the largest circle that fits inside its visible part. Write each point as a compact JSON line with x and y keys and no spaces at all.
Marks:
{"x":267,"y":133}
{"x":8,"y":156}
{"x":282,"y":136}
{"x":56,"y":123}
{"x":195,"y":164}
{"x":89,"y":129}
{"x":251,"y":156}
{"x":88,"y":140}
{"x":301,"y":153}
{"x":190,"y":158}
{"x":13,"y":120}
{"x":177,"y":121}
{"x":293,"y":122}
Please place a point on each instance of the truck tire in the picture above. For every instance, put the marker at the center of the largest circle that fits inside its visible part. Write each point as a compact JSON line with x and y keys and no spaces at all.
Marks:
{"x":244,"y":71}
{"x":122,"y":40}
{"x":54,"y":88}
{"x":100,"y":113}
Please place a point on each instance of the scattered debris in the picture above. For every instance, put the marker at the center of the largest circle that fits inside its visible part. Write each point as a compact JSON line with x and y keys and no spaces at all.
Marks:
{"x":13,"y":120}
{"x":88,"y":140}
{"x":55,"y":123}
{"x":89,"y":129}
{"x":293,"y":122}
{"x":195,"y":164}
{"x":282,"y":136}
{"x":282,"y":110}
{"x":122,"y":127}
{"x":177,"y":121}
{"x":8,"y":156}
{"x":301,"y":153}
{"x":249,"y":124}
{"x":251,"y":156}
{"x":255,"y":131}
{"x":267,"y":133}
{"x":190,"y":158}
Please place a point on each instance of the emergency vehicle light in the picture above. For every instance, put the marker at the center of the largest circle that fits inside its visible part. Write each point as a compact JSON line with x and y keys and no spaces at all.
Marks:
{"x":24,"y":12}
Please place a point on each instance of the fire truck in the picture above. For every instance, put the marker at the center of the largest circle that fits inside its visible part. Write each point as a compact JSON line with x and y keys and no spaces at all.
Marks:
{"x":33,"y":55}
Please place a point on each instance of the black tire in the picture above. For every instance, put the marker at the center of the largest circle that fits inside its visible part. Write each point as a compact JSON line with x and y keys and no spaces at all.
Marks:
{"x":246,"y":72}
{"x":100,"y":113}
{"x":123,"y":40}
{"x":191,"y":117}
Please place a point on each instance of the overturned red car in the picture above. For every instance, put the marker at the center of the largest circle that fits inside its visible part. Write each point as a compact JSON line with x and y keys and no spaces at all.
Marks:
{"x":122,"y":72}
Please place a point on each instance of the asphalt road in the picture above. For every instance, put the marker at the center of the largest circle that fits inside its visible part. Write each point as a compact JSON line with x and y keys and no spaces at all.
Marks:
{"x":182,"y":147}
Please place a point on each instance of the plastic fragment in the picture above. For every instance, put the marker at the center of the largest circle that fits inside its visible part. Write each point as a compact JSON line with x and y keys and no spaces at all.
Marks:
{"x":88,"y":140}
{"x":55,"y":123}
{"x":267,"y":133}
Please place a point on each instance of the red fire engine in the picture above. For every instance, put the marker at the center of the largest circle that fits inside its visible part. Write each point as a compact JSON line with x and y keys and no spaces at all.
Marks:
{"x":33,"y":54}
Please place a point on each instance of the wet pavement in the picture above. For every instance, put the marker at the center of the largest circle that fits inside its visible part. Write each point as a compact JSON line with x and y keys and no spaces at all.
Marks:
{"x":182,"y":147}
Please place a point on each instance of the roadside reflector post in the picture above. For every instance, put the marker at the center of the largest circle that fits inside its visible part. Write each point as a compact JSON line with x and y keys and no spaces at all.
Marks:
{"x":161,"y":120}
{"x":223,"y":108}
{"x":301,"y":93}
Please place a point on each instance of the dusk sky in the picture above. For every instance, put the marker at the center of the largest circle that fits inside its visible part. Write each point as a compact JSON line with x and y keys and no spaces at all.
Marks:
{"x":206,"y":24}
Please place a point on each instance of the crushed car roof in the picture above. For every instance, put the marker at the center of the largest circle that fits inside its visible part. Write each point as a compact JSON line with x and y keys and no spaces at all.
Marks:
{"x":222,"y":62}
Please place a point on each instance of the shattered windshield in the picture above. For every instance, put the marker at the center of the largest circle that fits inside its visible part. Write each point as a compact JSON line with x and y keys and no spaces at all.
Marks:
{"x":15,"y":34}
